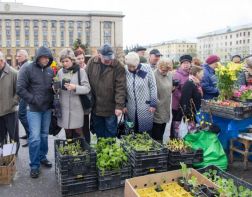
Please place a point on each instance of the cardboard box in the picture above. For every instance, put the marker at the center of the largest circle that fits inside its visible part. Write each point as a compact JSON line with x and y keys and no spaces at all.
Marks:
{"x":149,"y":180}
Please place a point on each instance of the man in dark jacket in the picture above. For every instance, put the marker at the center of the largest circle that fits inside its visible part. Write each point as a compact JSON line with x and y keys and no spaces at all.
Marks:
{"x":35,"y":87}
{"x":209,"y":80}
{"x":22,"y":58}
{"x":108,"y":86}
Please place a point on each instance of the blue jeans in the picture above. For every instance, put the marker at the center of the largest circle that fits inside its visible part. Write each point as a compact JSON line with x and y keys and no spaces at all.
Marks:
{"x":22,"y":115}
{"x":39,"y":123}
{"x":104,"y":126}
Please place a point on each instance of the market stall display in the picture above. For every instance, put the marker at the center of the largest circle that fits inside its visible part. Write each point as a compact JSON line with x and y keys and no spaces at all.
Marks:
{"x":145,"y":154}
{"x":112,"y":164}
{"x":75,"y":166}
{"x":181,"y":151}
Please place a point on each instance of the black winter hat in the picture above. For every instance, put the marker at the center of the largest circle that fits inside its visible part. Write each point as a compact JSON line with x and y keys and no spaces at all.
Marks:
{"x":184,"y":58}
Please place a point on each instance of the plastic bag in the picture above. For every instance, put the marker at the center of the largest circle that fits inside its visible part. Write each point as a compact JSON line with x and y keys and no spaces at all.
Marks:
{"x":213,"y":153}
{"x":183,"y":128}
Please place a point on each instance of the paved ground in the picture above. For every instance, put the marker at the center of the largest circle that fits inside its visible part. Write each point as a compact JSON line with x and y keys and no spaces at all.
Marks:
{"x":46,"y":185}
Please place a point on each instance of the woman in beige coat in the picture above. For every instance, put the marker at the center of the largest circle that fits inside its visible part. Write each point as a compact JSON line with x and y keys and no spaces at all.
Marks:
{"x":72,"y":119}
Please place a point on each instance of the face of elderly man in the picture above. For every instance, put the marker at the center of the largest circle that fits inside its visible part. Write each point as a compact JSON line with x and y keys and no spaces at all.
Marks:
{"x":21,"y":56}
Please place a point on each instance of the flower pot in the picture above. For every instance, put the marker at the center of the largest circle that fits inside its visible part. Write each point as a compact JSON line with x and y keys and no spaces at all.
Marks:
{"x":188,"y":187}
{"x":181,"y":181}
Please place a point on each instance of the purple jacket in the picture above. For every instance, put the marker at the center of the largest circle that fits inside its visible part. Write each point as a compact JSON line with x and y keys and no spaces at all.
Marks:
{"x":182,"y":76}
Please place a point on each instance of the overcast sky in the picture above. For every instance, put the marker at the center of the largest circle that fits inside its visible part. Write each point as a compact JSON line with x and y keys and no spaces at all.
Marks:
{"x":152,"y":21}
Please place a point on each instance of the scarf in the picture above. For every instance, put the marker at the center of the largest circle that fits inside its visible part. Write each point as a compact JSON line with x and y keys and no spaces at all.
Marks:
{"x":196,"y":81}
{"x":74,"y":68}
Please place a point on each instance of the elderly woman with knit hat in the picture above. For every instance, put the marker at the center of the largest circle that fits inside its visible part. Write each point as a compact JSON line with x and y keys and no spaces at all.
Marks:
{"x":163,"y":75}
{"x":209,"y":80}
{"x":72,"y":112}
{"x":141,"y":93}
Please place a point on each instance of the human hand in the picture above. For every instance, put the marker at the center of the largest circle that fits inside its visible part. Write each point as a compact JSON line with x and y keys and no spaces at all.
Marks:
{"x":118,"y":112}
{"x":152,"y":109}
{"x":70,"y":86}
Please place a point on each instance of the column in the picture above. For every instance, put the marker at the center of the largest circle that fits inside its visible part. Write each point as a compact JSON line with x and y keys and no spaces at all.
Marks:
{"x":13,"y":35}
{"x":83,"y":32}
{"x":58,"y":34}
{"x":3,"y":33}
{"x":22,"y":34}
{"x":75,"y":34}
{"x":31,"y":34}
{"x":40,"y":33}
{"x":118,"y":33}
{"x":113,"y":35}
{"x":49,"y":33}
{"x":66,"y":34}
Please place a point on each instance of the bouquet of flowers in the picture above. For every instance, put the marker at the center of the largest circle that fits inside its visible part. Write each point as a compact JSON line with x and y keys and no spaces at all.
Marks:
{"x":227,"y":76}
{"x":244,"y":93}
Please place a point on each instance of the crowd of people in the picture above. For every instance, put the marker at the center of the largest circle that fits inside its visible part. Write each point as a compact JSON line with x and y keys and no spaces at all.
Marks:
{"x":92,"y":96}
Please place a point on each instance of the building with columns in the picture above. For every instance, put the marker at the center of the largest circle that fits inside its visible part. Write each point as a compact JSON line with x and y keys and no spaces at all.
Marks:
{"x":226,"y":42}
{"x":29,"y":27}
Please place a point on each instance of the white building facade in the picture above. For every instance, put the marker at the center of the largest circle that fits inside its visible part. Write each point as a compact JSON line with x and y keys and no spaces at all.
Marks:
{"x":226,"y":43}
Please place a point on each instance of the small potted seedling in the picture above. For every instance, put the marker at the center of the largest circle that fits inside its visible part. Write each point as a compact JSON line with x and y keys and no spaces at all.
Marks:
{"x":195,"y":190}
{"x":183,"y":181}
{"x":158,"y":188}
{"x":56,"y":83}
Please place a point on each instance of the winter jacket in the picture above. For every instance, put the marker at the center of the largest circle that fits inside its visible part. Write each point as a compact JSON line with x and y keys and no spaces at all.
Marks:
{"x":190,"y":92}
{"x":34,"y":83}
{"x":141,"y":95}
{"x":209,"y":83}
{"x":71,"y":108}
{"x":8,"y":96}
{"x":108,"y":88}
{"x":182,"y":76}
{"x":164,"y":92}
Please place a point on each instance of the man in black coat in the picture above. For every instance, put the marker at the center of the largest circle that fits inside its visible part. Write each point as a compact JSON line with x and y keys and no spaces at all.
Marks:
{"x":34,"y":85}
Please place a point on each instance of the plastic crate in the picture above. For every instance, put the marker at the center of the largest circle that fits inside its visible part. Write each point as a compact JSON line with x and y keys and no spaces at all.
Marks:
{"x":238,"y":182}
{"x":113,"y":179}
{"x":195,"y":156}
{"x":78,"y":187}
{"x":162,"y":167}
{"x":75,"y":165}
{"x":7,"y":169}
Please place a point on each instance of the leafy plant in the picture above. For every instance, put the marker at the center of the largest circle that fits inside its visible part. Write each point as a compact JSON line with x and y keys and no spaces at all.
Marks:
{"x":178,"y":145}
{"x":110,"y":155}
{"x":140,"y":142}
{"x":72,"y":149}
{"x":185,"y":171}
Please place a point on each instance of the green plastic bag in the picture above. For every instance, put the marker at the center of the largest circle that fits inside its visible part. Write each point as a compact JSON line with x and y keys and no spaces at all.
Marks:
{"x":213,"y":153}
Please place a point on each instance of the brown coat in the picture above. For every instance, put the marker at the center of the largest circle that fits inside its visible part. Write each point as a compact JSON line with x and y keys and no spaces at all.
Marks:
{"x":8,"y":96}
{"x":108,"y":88}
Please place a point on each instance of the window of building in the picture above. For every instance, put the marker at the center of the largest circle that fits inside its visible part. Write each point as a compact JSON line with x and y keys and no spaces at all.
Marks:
{"x":7,"y":23}
{"x":17,"y":23}
{"x":240,"y":33}
{"x":27,"y":43}
{"x":107,"y":32}
{"x":237,"y":42}
{"x":230,"y":43}
{"x":244,"y":33}
{"x":79,"y":24}
{"x":44,"y":24}
{"x":240,"y":41}
{"x":237,"y":35}
{"x":8,"y":43}
{"x":243,"y":41}
{"x":26,"y":23}
{"x":36,"y":43}
{"x":71,"y":38}
{"x":226,"y":37}
{"x":248,"y":40}
{"x":17,"y":43}
{"x":62,"y":24}
{"x":71,"y":24}
{"x":53,"y":23}
{"x":35,"y":23}
{"x":62,"y":43}
{"x":53,"y":43}
{"x":249,"y":33}
{"x":230,"y":36}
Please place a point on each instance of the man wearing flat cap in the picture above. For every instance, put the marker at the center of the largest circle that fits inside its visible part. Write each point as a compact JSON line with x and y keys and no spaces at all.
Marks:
{"x":108,"y":87}
{"x":154,"y":58}
{"x":209,"y":80}
{"x":141,"y":51}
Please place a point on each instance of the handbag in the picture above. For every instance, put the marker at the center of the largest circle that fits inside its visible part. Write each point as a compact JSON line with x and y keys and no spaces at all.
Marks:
{"x":124,"y":127}
{"x":54,"y":129}
{"x":86,"y":99}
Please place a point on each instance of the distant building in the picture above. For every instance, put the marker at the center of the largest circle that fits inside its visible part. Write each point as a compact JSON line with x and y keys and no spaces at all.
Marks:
{"x":226,"y":42}
{"x":174,"y":49}
{"x":28,"y":27}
